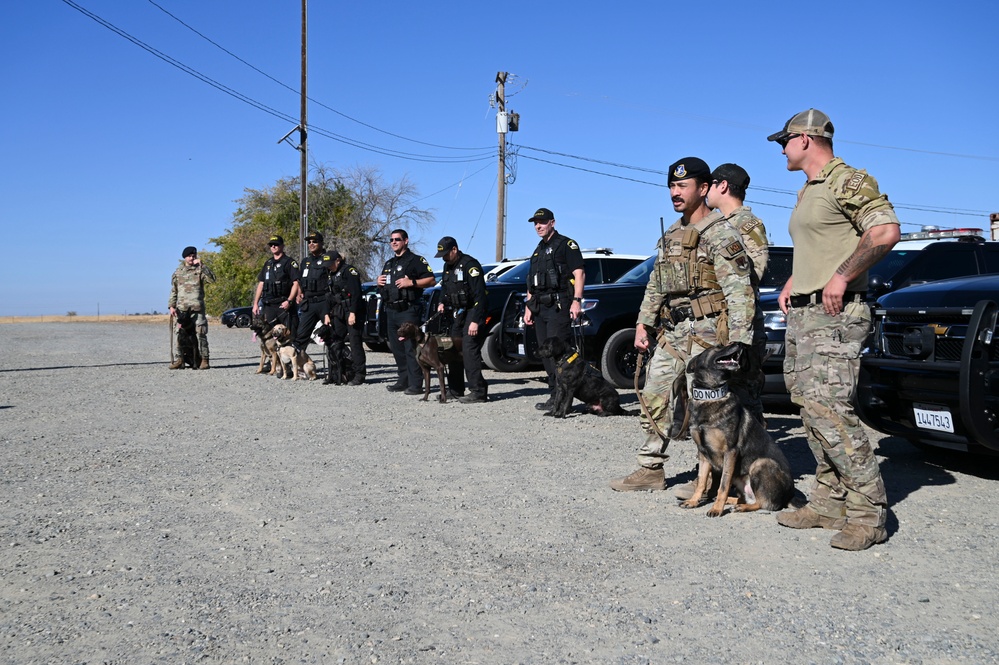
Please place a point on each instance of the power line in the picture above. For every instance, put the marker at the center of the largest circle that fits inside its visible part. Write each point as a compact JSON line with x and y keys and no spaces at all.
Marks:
{"x":288,"y":87}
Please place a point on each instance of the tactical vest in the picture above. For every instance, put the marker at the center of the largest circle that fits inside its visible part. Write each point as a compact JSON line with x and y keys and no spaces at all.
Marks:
{"x":683,"y":276}
{"x":277,"y":281}
{"x":314,"y":281}
{"x":393,"y":294}
{"x":338,"y":284}
{"x":457,"y":290}
{"x":546,"y":275}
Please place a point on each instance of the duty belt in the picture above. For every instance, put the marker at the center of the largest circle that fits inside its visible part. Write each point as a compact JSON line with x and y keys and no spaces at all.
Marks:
{"x":318,"y":298}
{"x":815,"y":298}
{"x":681,"y":313}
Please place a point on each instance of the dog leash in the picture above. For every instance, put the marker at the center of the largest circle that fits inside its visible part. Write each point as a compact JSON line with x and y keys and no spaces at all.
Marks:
{"x":641,"y":399}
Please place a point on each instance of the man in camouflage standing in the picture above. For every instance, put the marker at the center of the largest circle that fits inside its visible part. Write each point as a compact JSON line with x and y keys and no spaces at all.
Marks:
{"x":727,"y":194}
{"x":700,"y":294}
{"x":187,"y":294}
{"x":841,"y":226}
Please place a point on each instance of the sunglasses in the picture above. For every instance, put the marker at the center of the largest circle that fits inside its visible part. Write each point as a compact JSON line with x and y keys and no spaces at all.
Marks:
{"x":313,"y":242}
{"x":273,"y":244}
{"x":396,"y":239}
{"x":783,"y":142}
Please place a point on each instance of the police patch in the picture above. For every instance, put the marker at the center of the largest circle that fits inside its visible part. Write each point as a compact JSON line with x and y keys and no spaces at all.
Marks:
{"x":474,"y":272}
{"x":680,"y":171}
{"x":572,"y":244}
{"x":353,"y":272}
{"x":856,"y":181}
{"x":742,"y":263}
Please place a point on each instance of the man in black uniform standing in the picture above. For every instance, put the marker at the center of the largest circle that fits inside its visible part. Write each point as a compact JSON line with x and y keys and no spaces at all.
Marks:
{"x":403,"y":279}
{"x":278,"y":285}
{"x":313,"y":290}
{"x":554,"y":288}
{"x":347,"y":314}
{"x":464,"y":294}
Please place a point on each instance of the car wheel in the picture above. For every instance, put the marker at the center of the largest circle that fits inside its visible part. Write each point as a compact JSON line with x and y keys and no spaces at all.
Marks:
{"x":495,"y":359}
{"x":242,"y":320}
{"x":619,"y":359}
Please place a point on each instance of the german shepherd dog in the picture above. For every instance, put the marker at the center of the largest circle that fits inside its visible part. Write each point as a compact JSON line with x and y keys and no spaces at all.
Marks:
{"x":574,"y":378}
{"x":268,"y":345}
{"x":187,"y":339}
{"x":431,"y":354}
{"x":292,"y":362}
{"x":341,"y":369}
{"x":729,"y":440}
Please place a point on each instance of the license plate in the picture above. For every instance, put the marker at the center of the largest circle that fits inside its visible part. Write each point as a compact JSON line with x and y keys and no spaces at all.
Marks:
{"x":521,"y":350}
{"x":936,"y":418}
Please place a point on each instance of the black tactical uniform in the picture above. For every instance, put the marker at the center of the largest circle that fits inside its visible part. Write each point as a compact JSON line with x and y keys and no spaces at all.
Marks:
{"x":404,"y":306}
{"x":314,"y":282}
{"x":279,"y":276}
{"x":344,"y":300}
{"x":464,"y":294}
{"x":550,"y":283}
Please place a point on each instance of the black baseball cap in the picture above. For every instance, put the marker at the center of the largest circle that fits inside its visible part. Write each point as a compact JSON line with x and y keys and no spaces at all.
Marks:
{"x":733,"y":174}
{"x":189,"y":251}
{"x":688,"y":167}
{"x":276,"y":240}
{"x":445,"y":245}
{"x":542,"y":215}
{"x":315,"y":235}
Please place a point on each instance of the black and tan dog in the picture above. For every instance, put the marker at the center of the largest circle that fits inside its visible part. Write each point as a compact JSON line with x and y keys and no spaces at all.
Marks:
{"x":292,"y":362}
{"x":574,"y":378}
{"x":729,"y":440}
{"x":432,"y":353}
{"x":187,"y":339}
{"x":268,"y":345}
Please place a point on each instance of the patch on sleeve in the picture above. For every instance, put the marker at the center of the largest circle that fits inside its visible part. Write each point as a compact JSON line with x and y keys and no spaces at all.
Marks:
{"x":734,"y":248}
{"x":742,"y":263}
{"x":750,"y":225}
{"x":353,"y":272}
{"x":856,"y":181}
{"x":474,"y":272}
{"x":572,"y":244}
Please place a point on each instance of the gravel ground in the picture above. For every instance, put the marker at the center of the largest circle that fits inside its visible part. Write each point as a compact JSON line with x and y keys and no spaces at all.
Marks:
{"x":149,"y":516}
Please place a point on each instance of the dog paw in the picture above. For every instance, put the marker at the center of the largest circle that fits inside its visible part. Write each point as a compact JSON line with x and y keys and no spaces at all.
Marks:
{"x":689,"y":504}
{"x":715,"y":512}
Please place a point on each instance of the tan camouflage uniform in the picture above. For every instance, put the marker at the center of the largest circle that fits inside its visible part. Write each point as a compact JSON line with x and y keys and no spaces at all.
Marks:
{"x":187,"y":294}
{"x":754,"y":237}
{"x":823,"y":352}
{"x":720,"y":248}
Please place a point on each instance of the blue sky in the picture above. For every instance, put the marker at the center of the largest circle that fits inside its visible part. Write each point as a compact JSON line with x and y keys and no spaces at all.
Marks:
{"x":114,"y":160}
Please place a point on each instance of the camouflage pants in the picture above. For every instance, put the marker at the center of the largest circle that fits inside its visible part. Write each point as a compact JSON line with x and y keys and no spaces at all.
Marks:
{"x":820,"y":367}
{"x":660,"y":373}
{"x":201,"y":326}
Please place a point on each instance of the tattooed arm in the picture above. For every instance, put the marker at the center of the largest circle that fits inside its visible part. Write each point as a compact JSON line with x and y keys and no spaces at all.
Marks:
{"x":876,"y":242}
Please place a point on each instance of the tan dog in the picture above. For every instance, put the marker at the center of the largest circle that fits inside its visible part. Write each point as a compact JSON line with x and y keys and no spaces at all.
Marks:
{"x":291,"y":363}
{"x":268,"y":347}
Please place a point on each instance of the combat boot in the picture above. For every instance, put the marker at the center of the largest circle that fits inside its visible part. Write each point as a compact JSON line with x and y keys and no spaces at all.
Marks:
{"x":856,"y":537}
{"x":685,"y":491}
{"x":204,"y":364}
{"x":807,"y":518}
{"x":642,"y":479}
{"x":177,"y":364}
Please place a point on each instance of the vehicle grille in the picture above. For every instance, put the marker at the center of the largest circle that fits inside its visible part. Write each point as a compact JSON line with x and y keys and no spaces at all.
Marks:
{"x":939,"y":338}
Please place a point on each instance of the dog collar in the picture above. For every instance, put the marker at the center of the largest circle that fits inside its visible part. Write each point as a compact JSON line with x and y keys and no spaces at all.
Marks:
{"x":572,"y":358}
{"x":703,"y":394}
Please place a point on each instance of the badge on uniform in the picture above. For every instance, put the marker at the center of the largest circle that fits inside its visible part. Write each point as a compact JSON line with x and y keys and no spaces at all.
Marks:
{"x":474,"y":272}
{"x":856,"y":180}
{"x":572,"y":244}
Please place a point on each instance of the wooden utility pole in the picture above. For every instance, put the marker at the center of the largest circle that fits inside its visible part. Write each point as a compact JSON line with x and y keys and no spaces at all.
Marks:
{"x":303,"y":201}
{"x":501,"y":128}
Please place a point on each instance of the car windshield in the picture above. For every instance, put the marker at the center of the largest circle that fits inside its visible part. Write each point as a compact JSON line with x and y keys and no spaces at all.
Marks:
{"x":897,"y":259}
{"x":516,"y":275}
{"x":639,"y":274}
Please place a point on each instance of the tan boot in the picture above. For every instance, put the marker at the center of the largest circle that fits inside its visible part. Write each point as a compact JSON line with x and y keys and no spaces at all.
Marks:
{"x":856,"y":537}
{"x":807,"y":518}
{"x":642,"y":479}
{"x":204,"y":364}
{"x":177,"y":364}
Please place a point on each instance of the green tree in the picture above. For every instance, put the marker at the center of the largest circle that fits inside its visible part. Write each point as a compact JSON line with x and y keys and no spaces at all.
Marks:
{"x":354,"y":209}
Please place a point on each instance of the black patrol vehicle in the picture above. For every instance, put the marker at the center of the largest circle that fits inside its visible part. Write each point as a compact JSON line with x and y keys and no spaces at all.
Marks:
{"x":931,"y":374}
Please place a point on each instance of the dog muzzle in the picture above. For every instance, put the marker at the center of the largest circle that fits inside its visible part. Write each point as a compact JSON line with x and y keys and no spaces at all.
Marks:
{"x":706,"y":394}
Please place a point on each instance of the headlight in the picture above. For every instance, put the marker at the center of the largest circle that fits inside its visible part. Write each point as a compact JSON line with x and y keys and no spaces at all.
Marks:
{"x":775,"y":320}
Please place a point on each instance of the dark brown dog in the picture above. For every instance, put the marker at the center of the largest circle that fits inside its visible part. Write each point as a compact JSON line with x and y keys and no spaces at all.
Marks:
{"x":729,"y":440}
{"x":431,"y":355}
{"x":574,"y":378}
{"x":268,"y":345}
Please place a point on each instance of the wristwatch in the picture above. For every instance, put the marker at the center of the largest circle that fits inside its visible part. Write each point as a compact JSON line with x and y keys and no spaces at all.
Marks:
{"x":578,"y":299}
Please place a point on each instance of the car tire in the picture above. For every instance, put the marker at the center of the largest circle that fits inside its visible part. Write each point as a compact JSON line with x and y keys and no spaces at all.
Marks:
{"x":243,"y":321}
{"x":619,"y":358}
{"x":495,"y":359}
